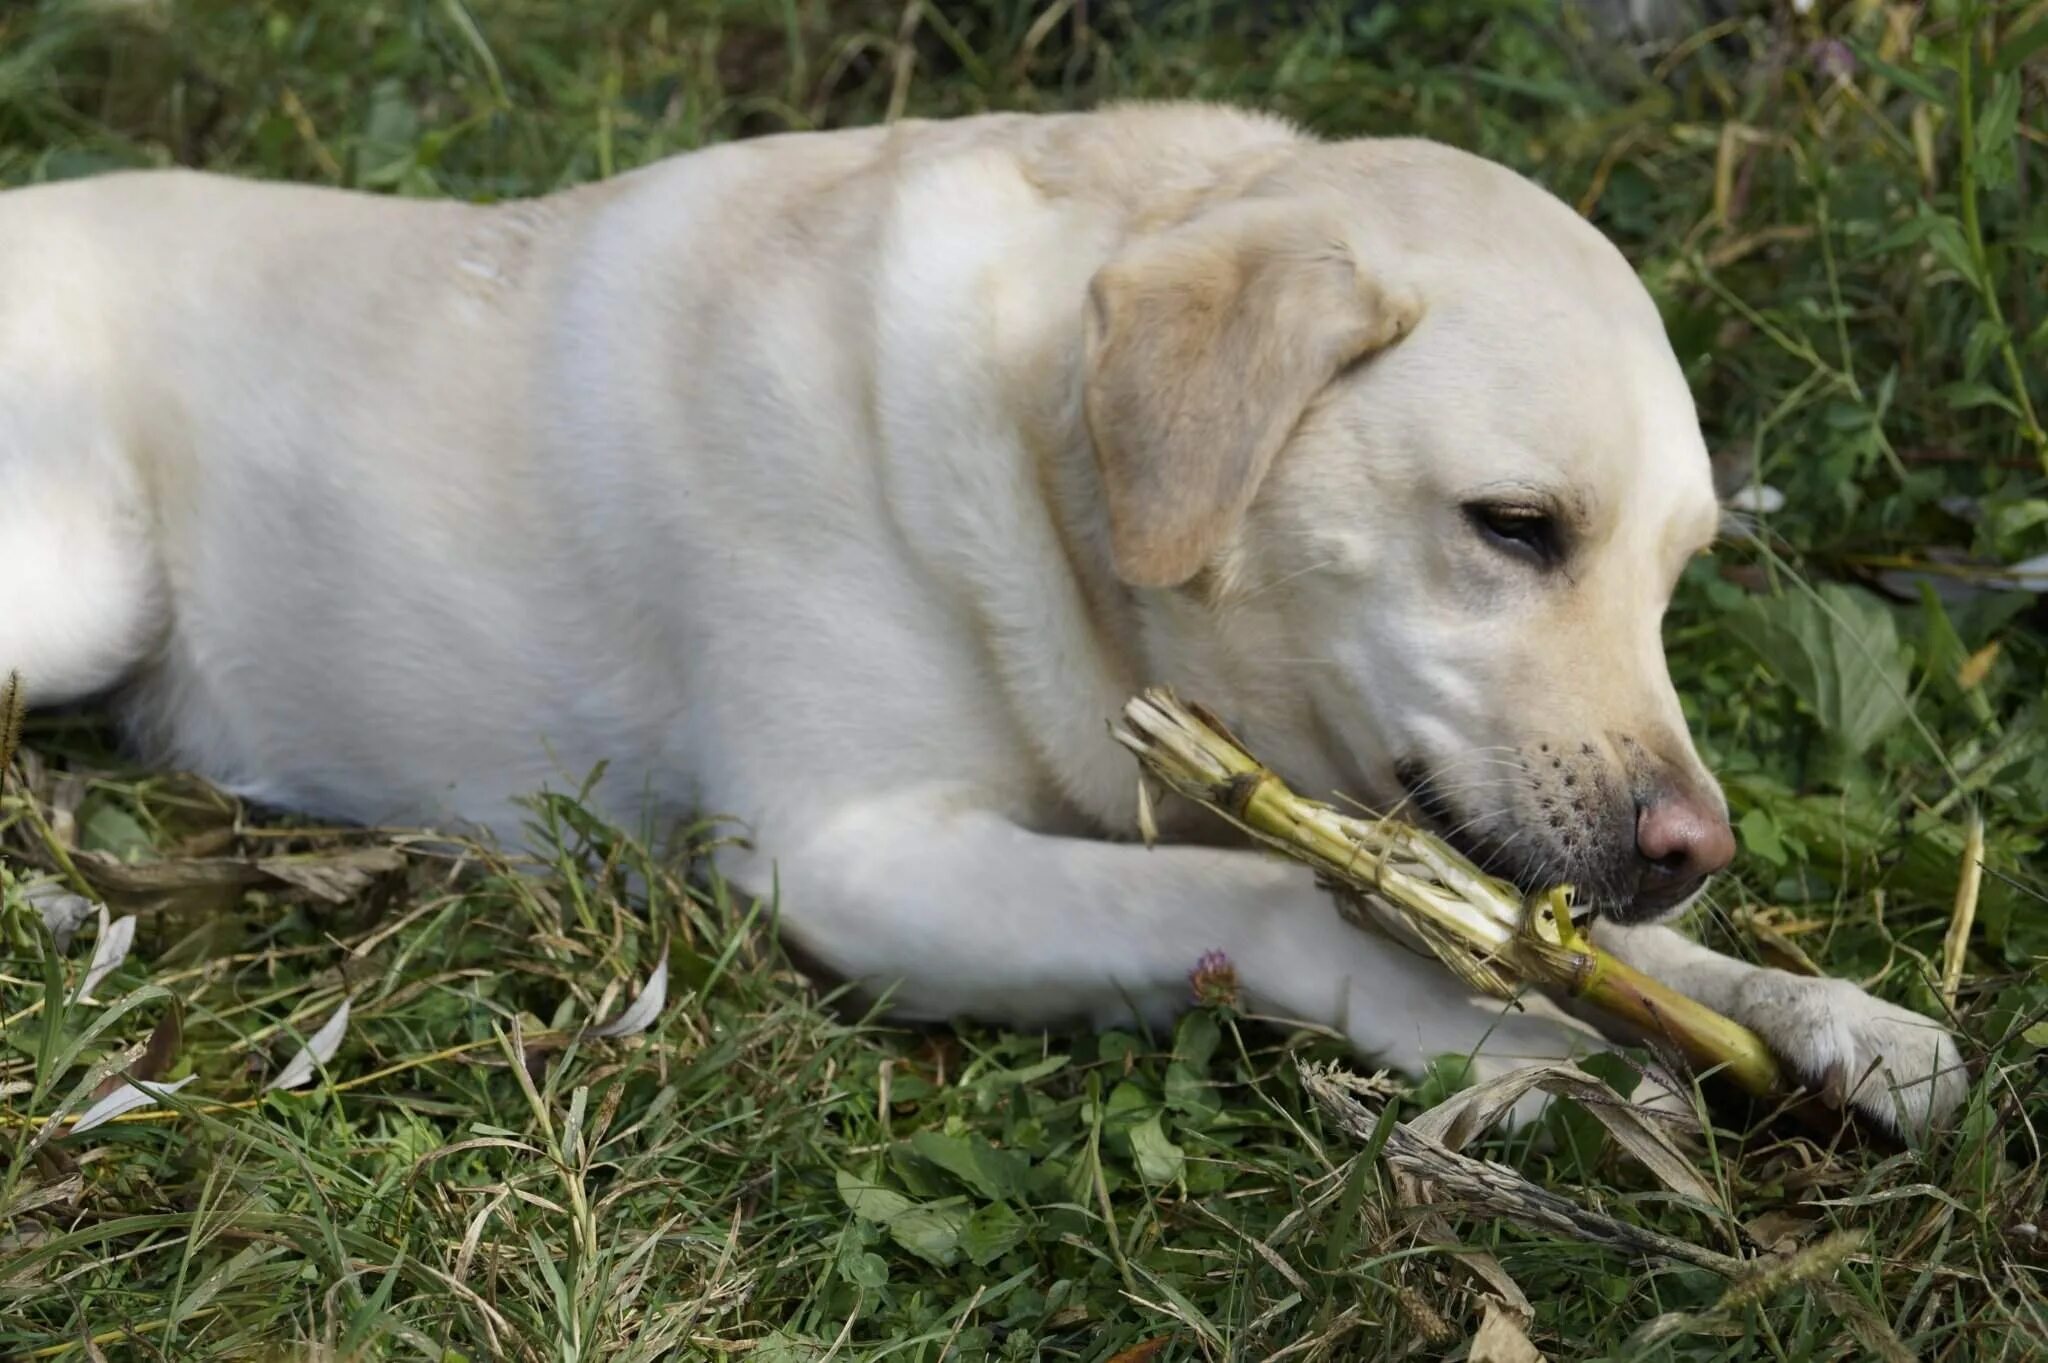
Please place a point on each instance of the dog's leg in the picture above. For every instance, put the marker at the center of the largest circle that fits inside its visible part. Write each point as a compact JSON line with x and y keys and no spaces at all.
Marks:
{"x":1896,"y":1066}
{"x":78,"y":590}
{"x":959,"y":912}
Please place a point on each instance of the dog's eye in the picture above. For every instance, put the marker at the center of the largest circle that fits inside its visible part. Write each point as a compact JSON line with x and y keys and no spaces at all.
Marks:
{"x":1526,"y":531}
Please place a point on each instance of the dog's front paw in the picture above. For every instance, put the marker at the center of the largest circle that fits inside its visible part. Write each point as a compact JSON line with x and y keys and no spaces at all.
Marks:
{"x":1895,"y":1067}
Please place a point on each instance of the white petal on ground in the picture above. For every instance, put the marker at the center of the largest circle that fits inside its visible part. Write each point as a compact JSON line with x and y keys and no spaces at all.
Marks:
{"x":1760,"y":499}
{"x":2029,"y":575}
{"x":64,"y":913}
{"x":126,"y":1098}
{"x":642,"y":1012}
{"x":108,"y":952}
{"x":318,"y":1050}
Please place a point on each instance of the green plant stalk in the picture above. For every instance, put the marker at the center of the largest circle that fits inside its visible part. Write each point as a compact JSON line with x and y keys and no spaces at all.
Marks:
{"x":1481,"y":927}
{"x":1973,"y":231}
{"x":11,"y":709}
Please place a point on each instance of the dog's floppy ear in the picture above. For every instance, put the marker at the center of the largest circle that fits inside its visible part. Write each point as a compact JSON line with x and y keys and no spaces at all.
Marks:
{"x":1205,"y":343}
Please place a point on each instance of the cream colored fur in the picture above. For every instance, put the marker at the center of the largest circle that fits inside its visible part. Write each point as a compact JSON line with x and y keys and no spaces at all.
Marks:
{"x":848,"y":483}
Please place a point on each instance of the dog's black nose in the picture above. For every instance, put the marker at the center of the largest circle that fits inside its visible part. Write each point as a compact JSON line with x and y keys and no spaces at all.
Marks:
{"x":1682,"y":837}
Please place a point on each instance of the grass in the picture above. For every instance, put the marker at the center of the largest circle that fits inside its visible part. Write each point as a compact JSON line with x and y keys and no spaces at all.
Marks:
{"x":1840,"y":214}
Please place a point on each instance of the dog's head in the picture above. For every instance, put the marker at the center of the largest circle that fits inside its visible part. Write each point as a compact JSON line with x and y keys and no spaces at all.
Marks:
{"x":1397,"y":447}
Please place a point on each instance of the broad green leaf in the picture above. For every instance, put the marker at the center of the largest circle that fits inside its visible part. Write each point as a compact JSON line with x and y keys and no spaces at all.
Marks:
{"x":864,"y":1268}
{"x":870,"y":1201}
{"x":996,"y":1081}
{"x":1159,"y":1159}
{"x":931,"y":1230}
{"x":991,"y":1233}
{"x":1945,"y":238}
{"x":1127,"y":1103}
{"x":104,"y":826}
{"x":1190,"y":1096}
{"x":1838,"y":650}
{"x":994,"y":1174}
{"x":1997,"y":121}
{"x":1114,"y":1048}
{"x":1977,"y":393}
{"x":1196,"y":1037}
{"x":1760,"y":837}
{"x":2017,"y":47}
{"x":1942,"y":650}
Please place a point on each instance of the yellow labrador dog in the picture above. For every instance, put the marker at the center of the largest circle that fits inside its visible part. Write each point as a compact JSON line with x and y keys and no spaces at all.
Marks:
{"x":848,"y":483}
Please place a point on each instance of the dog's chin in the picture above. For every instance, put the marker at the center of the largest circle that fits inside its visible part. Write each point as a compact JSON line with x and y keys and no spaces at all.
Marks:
{"x":1649,"y":908}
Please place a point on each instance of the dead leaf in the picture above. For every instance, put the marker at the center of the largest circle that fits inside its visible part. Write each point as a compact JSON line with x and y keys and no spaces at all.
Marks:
{"x":34,"y":1195}
{"x":1782,"y":951}
{"x":164,"y":1043}
{"x":63,"y":912}
{"x":1977,"y":666}
{"x":1779,"y":1231}
{"x":1639,"y":1130}
{"x":108,"y":952}
{"x":110,"y":875}
{"x":318,"y":1050}
{"x":336,"y":877}
{"x":641,"y":1013}
{"x":1494,"y":1189}
{"x":1143,"y":1351}
{"x":124,"y":1099}
{"x":1500,"y":1340}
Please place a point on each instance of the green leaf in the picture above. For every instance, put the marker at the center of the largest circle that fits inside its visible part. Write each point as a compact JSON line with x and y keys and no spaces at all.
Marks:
{"x":996,"y":1081}
{"x":1838,"y":650}
{"x":2036,"y":1035}
{"x":862,"y":1268}
{"x":992,"y":1173}
{"x":1127,"y":1103}
{"x":1977,"y":393}
{"x":1196,"y":1037}
{"x":1188,"y":1094}
{"x":104,"y":826}
{"x":1760,"y":836}
{"x":2017,"y":47}
{"x":1997,"y":123}
{"x":1899,"y":75}
{"x":1945,"y":238}
{"x":931,"y":1230}
{"x":1159,"y":1159}
{"x":869,"y":1200}
{"x":990,"y":1233}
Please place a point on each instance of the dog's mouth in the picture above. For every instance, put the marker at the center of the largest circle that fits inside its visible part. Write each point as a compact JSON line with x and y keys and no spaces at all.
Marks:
{"x":1511,"y":853}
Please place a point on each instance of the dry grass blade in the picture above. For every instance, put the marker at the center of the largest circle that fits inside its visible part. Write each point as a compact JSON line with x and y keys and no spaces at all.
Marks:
{"x":1500,"y":1340}
{"x":1497,"y":1190}
{"x":1394,"y":875}
{"x":1955,"y":946}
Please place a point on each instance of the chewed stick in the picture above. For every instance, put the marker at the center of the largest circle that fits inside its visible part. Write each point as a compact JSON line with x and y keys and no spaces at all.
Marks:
{"x":1481,"y":927}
